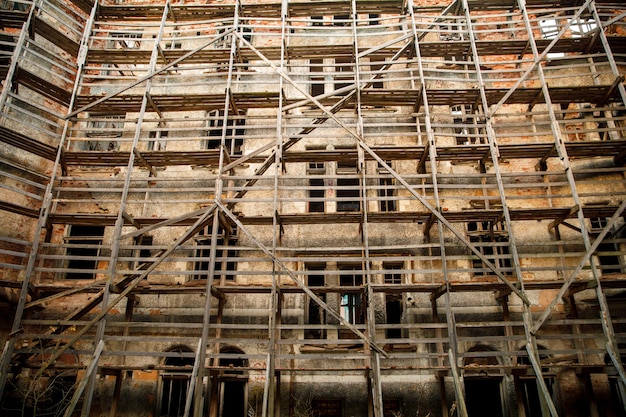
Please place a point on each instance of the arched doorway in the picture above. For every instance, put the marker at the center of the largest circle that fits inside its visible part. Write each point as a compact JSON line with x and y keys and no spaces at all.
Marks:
{"x":482,"y":384}
{"x":173,"y":383}
{"x":231,"y":384}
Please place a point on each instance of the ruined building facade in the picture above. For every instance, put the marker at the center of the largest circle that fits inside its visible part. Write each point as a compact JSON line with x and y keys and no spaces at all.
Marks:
{"x":313,"y":208}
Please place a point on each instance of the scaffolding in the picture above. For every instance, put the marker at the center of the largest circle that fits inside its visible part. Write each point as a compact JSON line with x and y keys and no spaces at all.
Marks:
{"x":281,"y":191}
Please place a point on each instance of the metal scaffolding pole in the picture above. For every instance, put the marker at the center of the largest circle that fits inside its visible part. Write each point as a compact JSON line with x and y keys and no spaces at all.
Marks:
{"x":531,"y":342}
{"x":270,"y":399}
{"x":432,"y":151}
{"x":119,"y":223}
{"x":374,"y":359}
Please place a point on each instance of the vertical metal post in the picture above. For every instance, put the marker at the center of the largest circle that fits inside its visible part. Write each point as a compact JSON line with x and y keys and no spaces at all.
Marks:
{"x":432,"y":149}
{"x":119,"y":224}
{"x":458,"y":385}
{"x":219,"y":185}
{"x":269,"y":389}
{"x":90,"y":371}
{"x":374,"y":360}
{"x":196,"y":375}
{"x":544,"y":394}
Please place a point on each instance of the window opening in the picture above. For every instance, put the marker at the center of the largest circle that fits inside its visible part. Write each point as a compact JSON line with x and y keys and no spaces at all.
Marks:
{"x":316,"y":187}
{"x":479,"y":388}
{"x":582,"y":27}
{"x":348,"y":189}
{"x":375,"y":67}
{"x":527,"y":386}
{"x":173,"y":45}
{"x":85,"y":246}
{"x":602,"y":126}
{"x":374,"y":19}
{"x":233,"y":383}
{"x":104,"y":129}
{"x":316,"y":68}
{"x":492,"y":242}
{"x":549,"y":30}
{"x":609,"y":261}
{"x":130,"y":40}
{"x":530,"y":394}
{"x":224,"y":41}
{"x":225,"y":255}
{"x":316,"y":314}
{"x":233,"y":138}
{"x":393,"y":301}
{"x":159,"y":140}
{"x":386,"y":190}
{"x":450,"y":30}
{"x":343,"y":73}
{"x":392,"y":407}
{"x":317,"y":20}
{"x":341,"y":20}
{"x":466,"y":131}
{"x":144,"y":252}
{"x":617,"y":402}
{"x":352,"y":303}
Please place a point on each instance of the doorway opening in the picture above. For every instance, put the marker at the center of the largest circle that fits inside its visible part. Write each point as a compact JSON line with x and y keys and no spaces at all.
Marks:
{"x":232,"y":382}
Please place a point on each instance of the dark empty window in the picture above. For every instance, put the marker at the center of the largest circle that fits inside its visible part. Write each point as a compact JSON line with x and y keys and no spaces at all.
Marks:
{"x":344,"y":73}
{"x":233,"y":138}
{"x":316,"y":314}
{"x":83,"y":248}
{"x":392,"y":407}
{"x":144,"y":251}
{"x":386,"y":190}
{"x":376,"y":67}
{"x":225,"y":256}
{"x":317,"y":20}
{"x":393,"y":301}
{"x":491,"y":241}
{"x":173,"y":45}
{"x":316,"y":187}
{"x":348,"y":189}
{"x":530,"y":394}
{"x":158,"y":140}
{"x":316,"y":75}
{"x":477,"y":390}
{"x":607,"y":251}
{"x":341,"y":20}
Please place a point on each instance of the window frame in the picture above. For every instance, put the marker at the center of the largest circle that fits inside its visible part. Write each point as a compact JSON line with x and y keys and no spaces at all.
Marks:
{"x":85,"y":238}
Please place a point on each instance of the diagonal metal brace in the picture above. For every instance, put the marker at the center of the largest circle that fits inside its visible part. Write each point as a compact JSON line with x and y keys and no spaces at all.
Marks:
{"x":541,"y":320}
{"x":384,"y":164}
{"x":301,"y":284}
